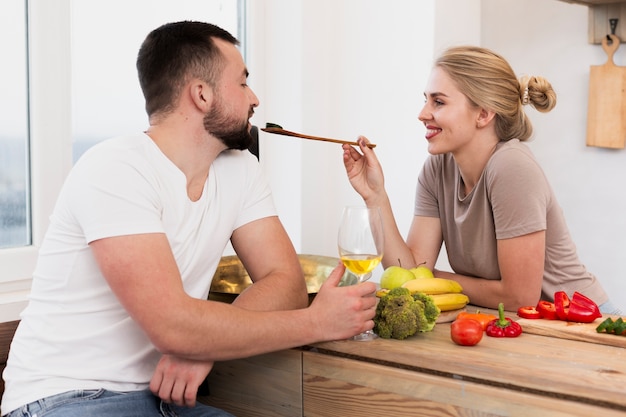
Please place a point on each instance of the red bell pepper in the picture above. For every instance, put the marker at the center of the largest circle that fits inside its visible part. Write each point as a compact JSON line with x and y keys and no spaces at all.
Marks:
{"x":580,"y":314}
{"x":547,"y":310}
{"x":528,"y":312}
{"x":587,"y":303}
{"x":579,"y":308}
{"x":582,"y":309}
{"x":503,"y":326}
{"x":561,"y":304}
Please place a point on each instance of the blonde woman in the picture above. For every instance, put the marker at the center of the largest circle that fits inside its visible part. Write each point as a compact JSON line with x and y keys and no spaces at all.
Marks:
{"x":481,"y":191}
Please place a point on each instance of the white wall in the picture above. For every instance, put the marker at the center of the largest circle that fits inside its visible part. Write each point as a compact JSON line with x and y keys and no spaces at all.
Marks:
{"x":344,"y":68}
{"x":549,"y":38}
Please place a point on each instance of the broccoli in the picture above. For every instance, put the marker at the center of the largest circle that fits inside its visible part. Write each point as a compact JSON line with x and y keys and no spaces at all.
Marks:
{"x":431,"y":311}
{"x":400,"y":314}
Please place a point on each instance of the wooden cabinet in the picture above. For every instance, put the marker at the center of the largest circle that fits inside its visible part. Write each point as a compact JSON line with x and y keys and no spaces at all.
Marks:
{"x":265,"y":385}
{"x":335,"y":386}
{"x":427,"y":374}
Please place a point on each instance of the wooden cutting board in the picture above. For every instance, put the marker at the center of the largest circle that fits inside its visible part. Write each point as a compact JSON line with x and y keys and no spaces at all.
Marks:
{"x":585,"y":332}
{"x":606,"y":114}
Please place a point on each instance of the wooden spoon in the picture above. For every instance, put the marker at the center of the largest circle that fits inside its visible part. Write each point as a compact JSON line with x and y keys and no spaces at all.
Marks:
{"x":281,"y":131}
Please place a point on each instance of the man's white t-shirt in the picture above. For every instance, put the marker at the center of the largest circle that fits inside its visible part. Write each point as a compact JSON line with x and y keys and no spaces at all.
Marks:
{"x":74,"y":334}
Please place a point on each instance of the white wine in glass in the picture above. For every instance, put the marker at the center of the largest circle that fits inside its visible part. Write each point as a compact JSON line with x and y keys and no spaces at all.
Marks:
{"x":360,"y":242}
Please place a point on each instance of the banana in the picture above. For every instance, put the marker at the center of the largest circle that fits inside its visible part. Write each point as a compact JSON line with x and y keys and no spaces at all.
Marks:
{"x":433,"y":286}
{"x":450,"y":301}
{"x":445,"y":301}
{"x":382,"y":292}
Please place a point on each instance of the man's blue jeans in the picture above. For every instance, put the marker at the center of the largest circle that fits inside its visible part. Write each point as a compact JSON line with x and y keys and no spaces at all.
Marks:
{"x":103,"y":403}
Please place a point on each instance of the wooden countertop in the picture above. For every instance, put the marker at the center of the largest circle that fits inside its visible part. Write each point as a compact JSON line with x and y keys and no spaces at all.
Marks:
{"x":574,"y":370}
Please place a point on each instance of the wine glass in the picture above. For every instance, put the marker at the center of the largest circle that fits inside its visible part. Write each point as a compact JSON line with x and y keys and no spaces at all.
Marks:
{"x":360,"y":242}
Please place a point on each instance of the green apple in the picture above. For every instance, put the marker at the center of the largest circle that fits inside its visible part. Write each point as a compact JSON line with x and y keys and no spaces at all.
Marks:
{"x":395,"y":276}
{"x":422,"y":271}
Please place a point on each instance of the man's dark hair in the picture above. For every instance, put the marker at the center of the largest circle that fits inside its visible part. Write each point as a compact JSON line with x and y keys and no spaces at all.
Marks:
{"x":174,"y":53}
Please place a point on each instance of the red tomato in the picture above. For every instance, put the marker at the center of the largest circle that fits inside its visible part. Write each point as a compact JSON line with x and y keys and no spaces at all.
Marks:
{"x":466,"y":332}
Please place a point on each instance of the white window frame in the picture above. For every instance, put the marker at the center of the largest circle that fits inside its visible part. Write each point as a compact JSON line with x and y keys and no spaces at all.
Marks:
{"x":50,"y":124}
{"x":49,"y":30}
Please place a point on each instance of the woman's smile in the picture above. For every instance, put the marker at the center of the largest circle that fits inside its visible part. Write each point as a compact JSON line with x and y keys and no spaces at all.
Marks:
{"x":431,"y":132}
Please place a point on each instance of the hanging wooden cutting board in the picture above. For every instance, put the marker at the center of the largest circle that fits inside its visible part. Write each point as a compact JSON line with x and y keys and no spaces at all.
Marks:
{"x":606,"y":115}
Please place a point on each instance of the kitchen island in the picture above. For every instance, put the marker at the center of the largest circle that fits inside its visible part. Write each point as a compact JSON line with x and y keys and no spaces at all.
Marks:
{"x":427,"y":374}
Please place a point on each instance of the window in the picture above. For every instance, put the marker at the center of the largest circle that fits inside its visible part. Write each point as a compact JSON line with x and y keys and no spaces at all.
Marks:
{"x":71,"y":82}
{"x":106,"y":35}
{"x":14,"y":182}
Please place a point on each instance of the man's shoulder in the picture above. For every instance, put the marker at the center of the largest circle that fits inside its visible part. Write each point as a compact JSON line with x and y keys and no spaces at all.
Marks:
{"x":118,"y":146}
{"x":232,"y":159}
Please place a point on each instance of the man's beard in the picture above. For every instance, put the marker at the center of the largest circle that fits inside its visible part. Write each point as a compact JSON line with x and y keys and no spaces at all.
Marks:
{"x":233,"y":133}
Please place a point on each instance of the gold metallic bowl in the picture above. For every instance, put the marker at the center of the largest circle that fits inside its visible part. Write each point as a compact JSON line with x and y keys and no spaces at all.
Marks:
{"x":231,"y":278}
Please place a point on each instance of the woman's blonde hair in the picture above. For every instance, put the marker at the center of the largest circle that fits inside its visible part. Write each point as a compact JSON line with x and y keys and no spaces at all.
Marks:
{"x":488,"y":81}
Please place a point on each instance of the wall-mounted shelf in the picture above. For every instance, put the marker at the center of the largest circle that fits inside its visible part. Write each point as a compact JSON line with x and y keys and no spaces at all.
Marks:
{"x":593,"y":2}
{"x":600,"y":11}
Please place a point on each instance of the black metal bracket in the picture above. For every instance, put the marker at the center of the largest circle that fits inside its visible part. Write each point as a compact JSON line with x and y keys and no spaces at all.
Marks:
{"x":613,"y":25}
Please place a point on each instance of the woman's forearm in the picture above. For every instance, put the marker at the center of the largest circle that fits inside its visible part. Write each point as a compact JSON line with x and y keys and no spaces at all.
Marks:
{"x":396,"y":251}
{"x":489,"y":292}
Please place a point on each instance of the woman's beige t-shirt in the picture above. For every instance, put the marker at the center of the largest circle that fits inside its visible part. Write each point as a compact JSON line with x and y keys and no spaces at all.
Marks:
{"x":512,"y":198}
